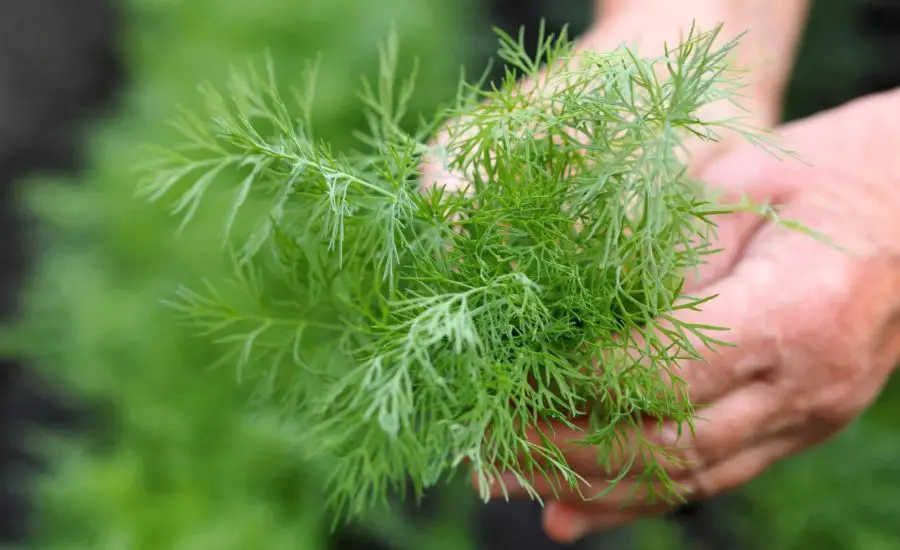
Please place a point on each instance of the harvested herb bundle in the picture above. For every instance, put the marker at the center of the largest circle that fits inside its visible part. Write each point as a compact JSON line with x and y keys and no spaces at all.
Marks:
{"x":406,"y":331}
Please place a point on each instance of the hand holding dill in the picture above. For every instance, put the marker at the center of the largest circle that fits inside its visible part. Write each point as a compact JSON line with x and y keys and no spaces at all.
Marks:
{"x":814,"y":325}
{"x":406,"y":332}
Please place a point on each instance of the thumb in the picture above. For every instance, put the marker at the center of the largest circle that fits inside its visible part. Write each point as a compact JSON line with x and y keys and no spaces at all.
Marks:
{"x":748,"y":173}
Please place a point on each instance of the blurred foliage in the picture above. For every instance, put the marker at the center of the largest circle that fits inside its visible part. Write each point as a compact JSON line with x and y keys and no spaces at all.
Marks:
{"x":179,"y":462}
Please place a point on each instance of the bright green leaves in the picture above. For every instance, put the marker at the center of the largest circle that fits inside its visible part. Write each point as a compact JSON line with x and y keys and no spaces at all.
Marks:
{"x":447,"y":323}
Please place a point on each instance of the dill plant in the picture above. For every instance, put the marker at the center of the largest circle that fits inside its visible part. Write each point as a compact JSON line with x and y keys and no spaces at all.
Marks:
{"x":405,"y":331}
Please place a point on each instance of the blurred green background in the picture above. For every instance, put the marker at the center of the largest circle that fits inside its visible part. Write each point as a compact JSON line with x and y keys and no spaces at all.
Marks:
{"x":172,"y":458}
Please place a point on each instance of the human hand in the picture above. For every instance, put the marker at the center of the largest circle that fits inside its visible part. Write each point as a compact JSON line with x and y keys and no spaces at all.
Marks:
{"x":816,"y":326}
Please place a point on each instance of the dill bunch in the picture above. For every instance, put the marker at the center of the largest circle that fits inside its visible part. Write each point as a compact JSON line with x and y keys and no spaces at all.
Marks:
{"x":406,"y":331}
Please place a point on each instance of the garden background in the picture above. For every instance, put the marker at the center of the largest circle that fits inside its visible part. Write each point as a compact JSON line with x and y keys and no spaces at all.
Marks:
{"x":149,"y":450}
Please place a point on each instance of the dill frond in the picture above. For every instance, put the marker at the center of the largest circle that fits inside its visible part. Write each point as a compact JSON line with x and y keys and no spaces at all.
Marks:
{"x":406,"y":332}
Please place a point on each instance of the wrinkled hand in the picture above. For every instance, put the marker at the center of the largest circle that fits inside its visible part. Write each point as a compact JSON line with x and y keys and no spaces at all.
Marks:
{"x":816,"y":326}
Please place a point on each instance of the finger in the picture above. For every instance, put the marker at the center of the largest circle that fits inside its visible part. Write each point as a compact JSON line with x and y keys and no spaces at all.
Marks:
{"x":543,"y":451}
{"x":745,"y":466}
{"x":728,"y":238}
{"x":751,"y":174}
{"x":554,"y":446}
{"x":436,"y":169}
{"x":567,"y":522}
{"x":727,"y":388}
{"x":749,"y":358}
{"x":740,"y":420}
{"x":566,"y":525}
{"x":729,"y":384}
{"x":631,"y":449}
{"x":744,"y":365}
{"x":713,"y":348}
{"x":599,"y":493}
{"x":737,"y":421}
{"x":613,"y":479}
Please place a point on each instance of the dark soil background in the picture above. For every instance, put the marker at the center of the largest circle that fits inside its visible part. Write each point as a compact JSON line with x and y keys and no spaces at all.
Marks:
{"x":60,"y":66}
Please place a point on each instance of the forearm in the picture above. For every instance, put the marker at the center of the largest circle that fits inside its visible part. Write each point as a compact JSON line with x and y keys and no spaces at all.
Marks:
{"x":783,"y":19}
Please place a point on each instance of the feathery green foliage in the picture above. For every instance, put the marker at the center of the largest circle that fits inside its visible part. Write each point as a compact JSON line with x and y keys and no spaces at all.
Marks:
{"x":167,"y":456}
{"x":407,"y":330}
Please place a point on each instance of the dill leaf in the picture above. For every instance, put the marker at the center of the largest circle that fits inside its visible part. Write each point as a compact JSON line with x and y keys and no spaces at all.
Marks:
{"x":408,"y":331}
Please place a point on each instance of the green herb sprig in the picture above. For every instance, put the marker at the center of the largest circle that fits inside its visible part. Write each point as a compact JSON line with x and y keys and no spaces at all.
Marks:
{"x":406,"y":331}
